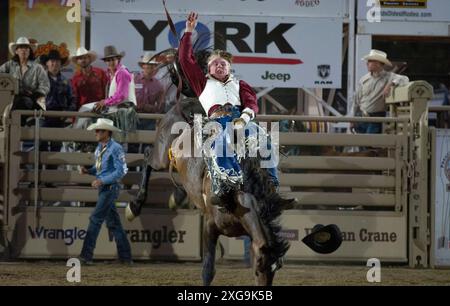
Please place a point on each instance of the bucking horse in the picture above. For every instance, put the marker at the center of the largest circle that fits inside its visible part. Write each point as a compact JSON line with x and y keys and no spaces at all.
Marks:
{"x":253,"y":210}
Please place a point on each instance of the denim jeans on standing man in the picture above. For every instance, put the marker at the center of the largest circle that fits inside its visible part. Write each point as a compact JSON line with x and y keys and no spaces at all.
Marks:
{"x":370,"y":127}
{"x":105,"y":210}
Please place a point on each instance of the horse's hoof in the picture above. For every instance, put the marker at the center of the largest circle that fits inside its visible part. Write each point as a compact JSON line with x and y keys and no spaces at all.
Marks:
{"x":172,"y":203}
{"x":289,"y":204}
{"x":131,"y":211}
{"x":129,"y":214}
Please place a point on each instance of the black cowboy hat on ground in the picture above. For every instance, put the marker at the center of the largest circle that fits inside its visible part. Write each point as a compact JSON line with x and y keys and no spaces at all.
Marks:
{"x":53,"y":55}
{"x":324,"y":239}
{"x":111,"y":51}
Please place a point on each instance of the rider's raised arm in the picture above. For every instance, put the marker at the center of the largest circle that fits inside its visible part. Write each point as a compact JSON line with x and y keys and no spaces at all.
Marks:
{"x":248,"y":99}
{"x":190,"y":67}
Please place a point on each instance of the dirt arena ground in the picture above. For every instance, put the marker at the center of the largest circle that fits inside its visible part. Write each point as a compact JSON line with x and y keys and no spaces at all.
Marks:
{"x":228,"y":273}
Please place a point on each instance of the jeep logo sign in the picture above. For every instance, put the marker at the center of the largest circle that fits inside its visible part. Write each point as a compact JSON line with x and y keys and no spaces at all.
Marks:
{"x":279,"y":76}
{"x":268,"y":51}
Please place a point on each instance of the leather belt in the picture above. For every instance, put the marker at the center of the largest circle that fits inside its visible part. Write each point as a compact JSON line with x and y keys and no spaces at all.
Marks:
{"x":221,"y":111}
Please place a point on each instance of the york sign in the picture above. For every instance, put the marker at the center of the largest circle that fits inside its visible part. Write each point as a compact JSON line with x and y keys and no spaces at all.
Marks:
{"x":268,"y":51}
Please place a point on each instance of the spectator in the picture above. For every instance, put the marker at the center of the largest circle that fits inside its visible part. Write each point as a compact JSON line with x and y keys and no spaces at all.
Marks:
{"x":89,"y":83}
{"x":121,"y":86}
{"x":60,"y":97}
{"x":372,"y":91}
{"x":33,"y":81}
{"x":120,"y":91}
{"x":149,"y":91}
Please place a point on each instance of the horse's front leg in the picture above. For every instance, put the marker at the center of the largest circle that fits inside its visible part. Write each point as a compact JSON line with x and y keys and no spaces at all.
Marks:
{"x":247,"y":213}
{"x":264,"y":277}
{"x":210,"y":237}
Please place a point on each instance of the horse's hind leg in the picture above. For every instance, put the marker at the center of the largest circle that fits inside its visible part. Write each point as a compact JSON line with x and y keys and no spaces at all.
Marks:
{"x":155,"y":158}
{"x":146,"y":172}
{"x":210,"y":237}
{"x":133,"y":209}
{"x":264,"y":278}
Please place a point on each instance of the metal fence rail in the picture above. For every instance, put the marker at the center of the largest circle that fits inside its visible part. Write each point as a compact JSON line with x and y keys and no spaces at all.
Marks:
{"x":373,"y":177}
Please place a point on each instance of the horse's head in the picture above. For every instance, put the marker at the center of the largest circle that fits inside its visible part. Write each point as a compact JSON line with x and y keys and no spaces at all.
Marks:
{"x":177,"y":73}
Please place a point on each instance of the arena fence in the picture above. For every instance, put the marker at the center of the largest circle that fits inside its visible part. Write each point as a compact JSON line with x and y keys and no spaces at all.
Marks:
{"x":377,"y":196}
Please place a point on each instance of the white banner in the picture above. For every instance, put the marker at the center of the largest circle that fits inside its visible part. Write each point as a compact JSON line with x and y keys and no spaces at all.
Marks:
{"x":381,"y":235}
{"x":442,"y":199}
{"x":268,"y":51}
{"x":156,"y":234}
{"x":297,"y":8}
{"x":405,"y":10}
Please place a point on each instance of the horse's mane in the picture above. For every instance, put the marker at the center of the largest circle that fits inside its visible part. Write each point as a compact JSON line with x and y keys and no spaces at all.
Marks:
{"x":257,"y":183}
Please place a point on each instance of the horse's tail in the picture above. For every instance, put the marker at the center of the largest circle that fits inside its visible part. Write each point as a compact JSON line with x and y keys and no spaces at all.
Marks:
{"x":257,"y":182}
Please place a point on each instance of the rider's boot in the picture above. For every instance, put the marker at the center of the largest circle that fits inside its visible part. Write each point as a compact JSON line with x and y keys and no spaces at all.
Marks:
{"x":225,"y":198}
{"x":286,"y":203}
{"x":220,"y":199}
{"x":133,"y":208}
{"x":274,"y":185}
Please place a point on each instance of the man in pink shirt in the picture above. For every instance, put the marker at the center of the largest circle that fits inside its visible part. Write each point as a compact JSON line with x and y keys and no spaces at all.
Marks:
{"x":121,"y":86}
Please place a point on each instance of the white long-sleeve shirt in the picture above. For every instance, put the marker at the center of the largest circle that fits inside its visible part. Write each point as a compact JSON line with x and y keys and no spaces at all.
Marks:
{"x":369,"y":93}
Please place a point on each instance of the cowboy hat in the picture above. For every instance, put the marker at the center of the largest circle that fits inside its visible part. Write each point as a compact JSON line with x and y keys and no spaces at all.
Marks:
{"x":81,"y":52}
{"x":148,"y":58}
{"x":111,"y":51}
{"x":377,"y":55}
{"x":324,"y":239}
{"x":103,"y":124}
{"x":21,"y":41}
{"x":53,"y":55}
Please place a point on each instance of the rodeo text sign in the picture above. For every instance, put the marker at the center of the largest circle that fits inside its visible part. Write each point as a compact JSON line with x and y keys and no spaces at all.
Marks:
{"x":297,"y":8}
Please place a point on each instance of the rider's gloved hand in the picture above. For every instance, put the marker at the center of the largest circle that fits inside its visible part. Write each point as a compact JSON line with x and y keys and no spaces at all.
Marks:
{"x":239,"y":123}
{"x":242,"y":121}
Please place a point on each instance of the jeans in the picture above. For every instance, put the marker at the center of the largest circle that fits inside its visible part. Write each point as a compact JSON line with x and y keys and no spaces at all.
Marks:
{"x":247,"y":246}
{"x":106,"y":210}
{"x":147,"y":124}
{"x":252,"y":129}
{"x":273,"y":176}
{"x":370,"y":127}
{"x":229,"y":163}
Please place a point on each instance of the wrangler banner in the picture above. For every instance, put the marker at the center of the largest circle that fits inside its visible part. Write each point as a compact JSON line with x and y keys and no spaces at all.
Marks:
{"x":157,"y":234}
